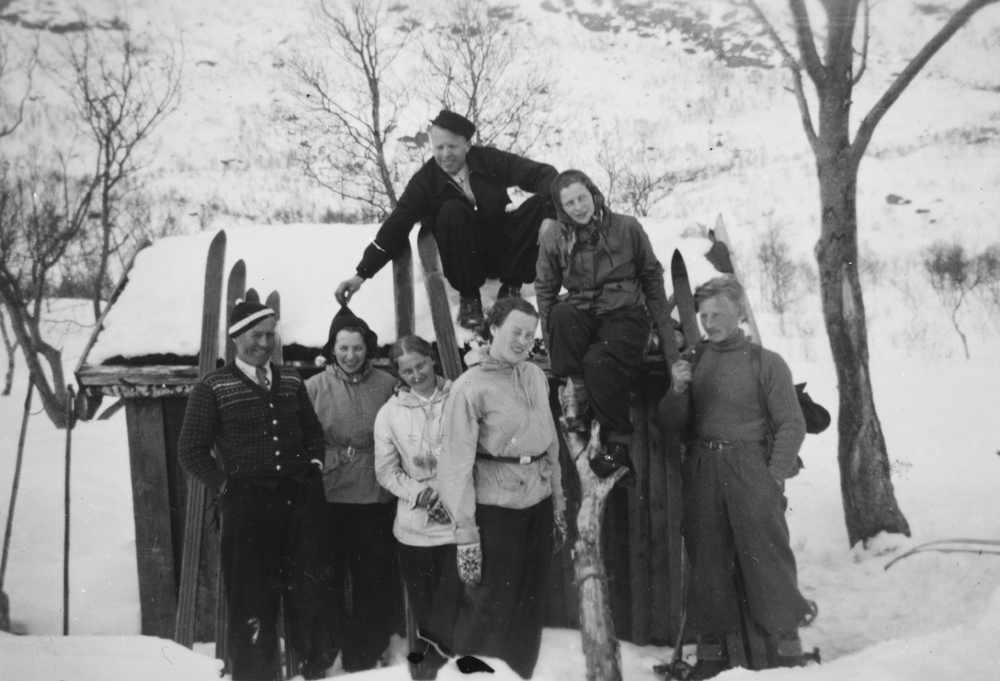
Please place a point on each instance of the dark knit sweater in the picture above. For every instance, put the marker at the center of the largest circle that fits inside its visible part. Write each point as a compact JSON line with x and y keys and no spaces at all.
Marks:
{"x":724,"y":402}
{"x":255,"y":432}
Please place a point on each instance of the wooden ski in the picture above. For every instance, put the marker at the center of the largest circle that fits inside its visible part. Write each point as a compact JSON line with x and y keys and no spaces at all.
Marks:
{"x":720,"y":256}
{"x":195,"y":512}
{"x":274,"y":302}
{"x":748,"y":648}
{"x":684,"y":300}
{"x":437,"y":296}
{"x":235,"y":286}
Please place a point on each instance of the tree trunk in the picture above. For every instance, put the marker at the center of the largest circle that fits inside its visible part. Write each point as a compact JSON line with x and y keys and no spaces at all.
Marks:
{"x":869,"y":501}
{"x":597,"y":628}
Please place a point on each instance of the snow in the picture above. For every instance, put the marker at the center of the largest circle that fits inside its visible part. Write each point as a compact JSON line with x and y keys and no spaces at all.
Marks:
{"x":930,"y":617}
{"x":304,"y":263}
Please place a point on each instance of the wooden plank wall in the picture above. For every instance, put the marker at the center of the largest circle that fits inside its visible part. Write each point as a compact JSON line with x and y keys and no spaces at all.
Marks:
{"x":155,"y":541}
{"x":642,"y":545}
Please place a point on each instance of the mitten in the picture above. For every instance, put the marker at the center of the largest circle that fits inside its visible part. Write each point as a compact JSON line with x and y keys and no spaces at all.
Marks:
{"x":470,"y":563}
{"x":437,"y":513}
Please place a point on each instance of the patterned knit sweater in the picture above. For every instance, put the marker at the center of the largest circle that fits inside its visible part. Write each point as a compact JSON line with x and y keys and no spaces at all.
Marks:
{"x":256,"y":432}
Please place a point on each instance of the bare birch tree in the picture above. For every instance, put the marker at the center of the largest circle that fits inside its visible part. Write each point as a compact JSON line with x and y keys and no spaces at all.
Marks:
{"x":121,"y":92}
{"x":472,"y":64}
{"x":870,"y":505}
{"x":348,"y":108}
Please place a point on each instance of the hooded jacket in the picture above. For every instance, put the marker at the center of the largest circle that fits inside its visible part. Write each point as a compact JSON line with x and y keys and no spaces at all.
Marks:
{"x":501,"y":409}
{"x":346,"y":405}
{"x":605,"y":265}
{"x":408,"y":439}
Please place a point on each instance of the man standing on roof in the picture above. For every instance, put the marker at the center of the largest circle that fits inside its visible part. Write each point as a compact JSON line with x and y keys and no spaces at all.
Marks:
{"x":266,"y":470}
{"x":461,"y":196}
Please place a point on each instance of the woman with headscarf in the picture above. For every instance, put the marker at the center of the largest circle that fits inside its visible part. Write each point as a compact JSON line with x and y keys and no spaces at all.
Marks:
{"x":597,"y":333}
{"x":501,"y":482}
{"x":347,"y":396}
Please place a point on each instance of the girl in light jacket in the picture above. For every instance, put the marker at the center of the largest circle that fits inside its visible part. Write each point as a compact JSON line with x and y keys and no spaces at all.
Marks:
{"x":407,"y":447}
{"x":501,"y":482}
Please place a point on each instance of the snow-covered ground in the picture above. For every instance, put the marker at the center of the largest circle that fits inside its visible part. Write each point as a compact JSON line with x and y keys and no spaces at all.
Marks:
{"x":930,"y":617}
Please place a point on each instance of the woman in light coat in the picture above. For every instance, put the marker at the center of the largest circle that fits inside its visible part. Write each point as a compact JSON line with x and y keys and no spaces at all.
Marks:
{"x":364,"y":594}
{"x":407,"y":447}
{"x":501,"y":481}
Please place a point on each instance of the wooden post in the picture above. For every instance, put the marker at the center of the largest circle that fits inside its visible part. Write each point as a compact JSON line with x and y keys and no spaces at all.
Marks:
{"x":597,"y":629}
{"x":152,"y":513}
{"x":402,"y":278}
{"x":638,"y":528}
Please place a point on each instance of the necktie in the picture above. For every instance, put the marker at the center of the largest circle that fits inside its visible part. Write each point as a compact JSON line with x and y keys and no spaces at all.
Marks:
{"x":262,"y":377}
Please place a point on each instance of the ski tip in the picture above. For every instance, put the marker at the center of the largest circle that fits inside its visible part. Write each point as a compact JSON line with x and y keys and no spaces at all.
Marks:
{"x":251,"y":296}
{"x":219,"y":239}
{"x":238,"y":266}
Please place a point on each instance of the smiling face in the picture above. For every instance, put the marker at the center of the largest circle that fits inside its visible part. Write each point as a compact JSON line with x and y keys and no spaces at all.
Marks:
{"x":720,"y":317}
{"x":254,"y":346}
{"x":349,"y":350}
{"x":578,"y":203}
{"x":514,"y":338}
{"x":449,"y":149}
{"x":417,"y":371}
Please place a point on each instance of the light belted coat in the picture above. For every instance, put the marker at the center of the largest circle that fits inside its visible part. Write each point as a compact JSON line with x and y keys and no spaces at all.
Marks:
{"x":407,"y":446}
{"x":346,"y":405}
{"x":501,"y":409}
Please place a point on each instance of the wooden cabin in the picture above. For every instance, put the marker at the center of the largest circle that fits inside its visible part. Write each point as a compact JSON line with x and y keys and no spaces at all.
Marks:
{"x":146,"y":356}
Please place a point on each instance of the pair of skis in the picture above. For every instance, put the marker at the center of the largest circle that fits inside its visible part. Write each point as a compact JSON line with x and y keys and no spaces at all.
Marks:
{"x":208,"y":358}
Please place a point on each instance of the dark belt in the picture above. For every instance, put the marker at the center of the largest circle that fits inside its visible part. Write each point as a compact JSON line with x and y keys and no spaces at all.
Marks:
{"x":526,"y":459}
{"x":722,"y":445}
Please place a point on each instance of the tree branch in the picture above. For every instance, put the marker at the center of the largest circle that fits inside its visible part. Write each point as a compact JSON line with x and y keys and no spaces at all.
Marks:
{"x":807,"y":45}
{"x":906,"y":76}
{"x":864,"y":42}
{"x":796,"y":70}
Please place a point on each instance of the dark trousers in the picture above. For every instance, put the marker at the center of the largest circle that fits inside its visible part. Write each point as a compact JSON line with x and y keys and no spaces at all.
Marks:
{"x":502,"y":616}
{"x":734,"y":520}
{"x":606,"y":350}
{"x":431,"y":578}
{"x":472,"y":250}
{"x":367,"y":601}
{"x":269,"y":532}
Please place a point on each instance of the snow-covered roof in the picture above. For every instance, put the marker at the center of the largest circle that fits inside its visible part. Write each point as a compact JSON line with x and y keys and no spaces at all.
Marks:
{"x":159,"y":311}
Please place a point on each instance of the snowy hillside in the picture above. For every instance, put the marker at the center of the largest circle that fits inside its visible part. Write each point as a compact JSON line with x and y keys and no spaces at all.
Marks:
{"x":671,"y":85}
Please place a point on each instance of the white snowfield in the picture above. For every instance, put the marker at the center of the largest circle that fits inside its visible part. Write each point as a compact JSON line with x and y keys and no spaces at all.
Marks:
{"x":652,"y":99}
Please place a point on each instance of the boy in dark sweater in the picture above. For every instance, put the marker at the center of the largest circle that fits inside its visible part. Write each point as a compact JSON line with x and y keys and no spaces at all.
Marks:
{"x":266,"y":469}
{"x":744,"y":429}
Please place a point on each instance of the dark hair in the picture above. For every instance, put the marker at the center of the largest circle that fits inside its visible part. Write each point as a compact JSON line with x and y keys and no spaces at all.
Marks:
{"x":570,"y":177}
{"x":501,"y":309}
{"x":410,"y":343}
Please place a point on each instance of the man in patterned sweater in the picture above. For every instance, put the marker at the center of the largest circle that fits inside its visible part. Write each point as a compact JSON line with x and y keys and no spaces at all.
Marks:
{"x":268,"y":444}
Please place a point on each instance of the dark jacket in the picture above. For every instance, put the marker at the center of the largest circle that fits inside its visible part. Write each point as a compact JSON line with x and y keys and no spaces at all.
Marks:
{"x":255,"y":432}
{"x":491,"y":172}
{"x":615,"y":270}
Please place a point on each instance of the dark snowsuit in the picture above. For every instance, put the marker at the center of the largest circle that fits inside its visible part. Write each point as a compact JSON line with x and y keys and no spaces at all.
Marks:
{"x":475,"y":241}
{"x":599,"y":330}
{"x":739,"y":453}
{"x":271,"y":497}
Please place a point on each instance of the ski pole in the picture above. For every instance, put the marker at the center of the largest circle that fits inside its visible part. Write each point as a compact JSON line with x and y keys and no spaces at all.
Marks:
{"x":8,"y":530}
{"x":69,"y":441}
